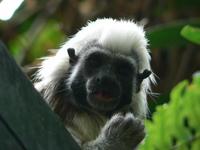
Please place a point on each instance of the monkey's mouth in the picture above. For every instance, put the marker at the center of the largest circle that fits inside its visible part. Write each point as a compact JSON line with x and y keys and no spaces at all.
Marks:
{"x":103,"y":96}
{"x":103,"y":100}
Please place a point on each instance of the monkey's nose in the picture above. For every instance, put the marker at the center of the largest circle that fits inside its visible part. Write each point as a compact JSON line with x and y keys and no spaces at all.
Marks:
{"x":105,"y":80}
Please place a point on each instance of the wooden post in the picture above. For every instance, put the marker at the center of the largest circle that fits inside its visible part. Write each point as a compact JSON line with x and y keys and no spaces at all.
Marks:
{"x":26,"y":122}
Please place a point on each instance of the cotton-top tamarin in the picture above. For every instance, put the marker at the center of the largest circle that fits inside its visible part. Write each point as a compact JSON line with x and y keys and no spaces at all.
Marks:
{"x":98,"y":83}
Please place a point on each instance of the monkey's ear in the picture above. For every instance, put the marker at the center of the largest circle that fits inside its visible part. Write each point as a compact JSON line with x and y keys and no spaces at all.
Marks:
{"x":140,"y":77}
{"x":72,"y":56}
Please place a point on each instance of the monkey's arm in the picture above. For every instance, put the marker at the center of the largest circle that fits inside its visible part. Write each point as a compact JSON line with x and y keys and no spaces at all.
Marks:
{"x":120,"y":132}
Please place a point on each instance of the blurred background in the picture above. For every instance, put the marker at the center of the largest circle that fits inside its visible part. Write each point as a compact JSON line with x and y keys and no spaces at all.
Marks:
{"x":31,"y":28}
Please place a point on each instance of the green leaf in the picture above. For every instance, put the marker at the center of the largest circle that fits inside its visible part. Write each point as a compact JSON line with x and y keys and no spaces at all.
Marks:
{"x":50,"y":37}
{"x":168,"y":35}
{"x":38,"y":45}
{"x":191,"y":33}
{"x":176,"y":125}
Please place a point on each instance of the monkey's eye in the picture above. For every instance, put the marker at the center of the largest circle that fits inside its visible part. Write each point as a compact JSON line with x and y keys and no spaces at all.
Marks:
{"x":94,"y":61}
{"x":124,"y":69}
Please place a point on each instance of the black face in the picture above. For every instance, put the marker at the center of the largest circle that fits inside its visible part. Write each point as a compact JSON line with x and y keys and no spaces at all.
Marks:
{"x":104,"y":81}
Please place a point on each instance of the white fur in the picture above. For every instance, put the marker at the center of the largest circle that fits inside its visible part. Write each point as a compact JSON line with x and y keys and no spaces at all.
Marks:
{"x":119,"y":35}
{"x":85,"y":127}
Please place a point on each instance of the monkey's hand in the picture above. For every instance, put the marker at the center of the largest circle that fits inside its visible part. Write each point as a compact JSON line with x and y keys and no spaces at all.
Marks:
{"x":125,"y":131}
{"x":120,"y":132}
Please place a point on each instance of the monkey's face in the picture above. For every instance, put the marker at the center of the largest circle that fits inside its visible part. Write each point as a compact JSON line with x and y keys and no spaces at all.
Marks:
{"x":103,"y":81}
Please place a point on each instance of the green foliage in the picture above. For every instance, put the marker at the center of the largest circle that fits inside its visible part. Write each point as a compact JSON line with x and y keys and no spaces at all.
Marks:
{"x":50,"y":37}
{"x":168,"y":35}
{"x":37,"y":42}
{"x":176,"y":125}
{"x":191,"y":33}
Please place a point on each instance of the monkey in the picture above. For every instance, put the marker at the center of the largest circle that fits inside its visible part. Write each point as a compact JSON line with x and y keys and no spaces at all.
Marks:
{"x":98,"y":82}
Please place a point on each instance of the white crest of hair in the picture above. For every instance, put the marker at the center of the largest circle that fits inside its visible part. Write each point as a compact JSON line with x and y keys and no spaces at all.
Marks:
{"x":121,"y":36}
